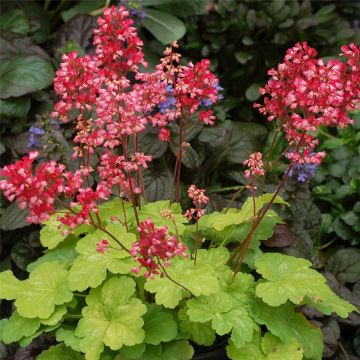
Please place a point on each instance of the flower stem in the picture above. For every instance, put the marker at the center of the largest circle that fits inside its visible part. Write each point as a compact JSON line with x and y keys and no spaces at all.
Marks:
{"x":196,"y":239}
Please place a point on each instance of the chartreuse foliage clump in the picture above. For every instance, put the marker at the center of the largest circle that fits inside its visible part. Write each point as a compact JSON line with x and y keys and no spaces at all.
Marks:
{"x":98,"y":308}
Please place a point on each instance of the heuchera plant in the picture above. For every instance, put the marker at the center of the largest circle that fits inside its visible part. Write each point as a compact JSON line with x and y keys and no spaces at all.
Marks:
{"x":127,"y":279}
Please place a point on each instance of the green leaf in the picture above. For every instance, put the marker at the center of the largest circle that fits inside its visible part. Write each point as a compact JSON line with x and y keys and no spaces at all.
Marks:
{"x":250,"y":351}
{"x":115,"y":208}
{"x":240,"y":288}
{"x":200,"y":333}
{"x":282,"y":321}
{"x":67,"y":334}
{"x":224,"y":317}
{"x":56,"y":317}
{"x":60,"y":351}
{"x":13,"y":218}
{"x":153,"y":210}
{"x":83,"y":7}
{"x":15,"y":21}
{"x":174,"y":350}
{"x":159,"y":325}
{"x":216,"y":257}
{"x":38,"y":17}
{"x":179,"y":7}
{"x":24,"y":74}
{"x":38,"y":295}
{"x":252,"y":92}
{"x":246,"y":139}
{"x":157,"y":183}
{"x":90,"y":268}
{"x":14,"y":108}
{"x":17,"y":327}
{"x":65,"y":254}
{"x":131,"y":352}
{"x":268,"y":348}
{"x":242,"y":57}
{"x":292,"y":279}
{"x":200,"y":279}
{"x":345,"y":265}
{"x":51,"y":233}
{"x":112,"y":318}
{"x":165,"y":27}
{"x":277,"y":350}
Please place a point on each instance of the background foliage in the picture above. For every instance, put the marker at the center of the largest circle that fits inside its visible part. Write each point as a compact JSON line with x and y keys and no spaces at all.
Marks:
{"x":243,"y":39}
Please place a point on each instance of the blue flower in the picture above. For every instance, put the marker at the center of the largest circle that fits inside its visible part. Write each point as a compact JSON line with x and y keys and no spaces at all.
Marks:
{"x":205,"y":102}
{"x":35,"y":137}
{"x":168,"y":104}
{"x":219,"y":89}
{"x":303,"y":172}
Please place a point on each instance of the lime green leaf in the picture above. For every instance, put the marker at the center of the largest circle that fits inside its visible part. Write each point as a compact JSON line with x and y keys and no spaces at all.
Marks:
{"x":153,"y":211}
{"x":216,"y":257}
{"x":59,"y":351}
{"x":208,"y":308}
{"x":165,"y":27}
{"x":10,"y":285}
{"x":177,"y":350}
{"x":51,"y":235}
{"x":17,"y":327}
{"x":112,"y":317}
{"x":224,"y":318}
{"x":27,"y":340}
{"x":200,"y":279}
{"x":250,"y":351}
{"x":56,"y":317}
{"x":277,"y":350}
{"x":240,"y":288}
{"x":90,"y":268}
{"x":200,"y":333}
{"x":115,"y":208}
{"x":291,"y":278}
{"x":67,"y":334}
{"x":64,"y":253}
{"x":282,"y":321}
{"x":159,"y":326}
{"x":38,"y":295}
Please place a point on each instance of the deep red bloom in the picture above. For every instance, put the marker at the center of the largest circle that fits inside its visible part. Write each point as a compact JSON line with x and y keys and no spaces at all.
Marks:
{"x":155,"y":245}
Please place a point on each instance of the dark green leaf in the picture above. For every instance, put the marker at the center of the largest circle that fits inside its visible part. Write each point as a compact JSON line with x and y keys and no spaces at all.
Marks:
{"x":157,"y":184}
{"x":242,"y":57}
{"x":13,"y":218}
{"x":15,"y":107}
{"x":252,"y":92}
{"x":13,"y":44}
{"x":246,"y":139}
{"x":21,"y":75}
{"x":79,"y":30}
{"x":83,"y":7}
{"x":15,"y":21}
{"x":179,"y":7}
{"x":39,"y":19}
{"x":165,"y":27}
{"x":345,"y":265}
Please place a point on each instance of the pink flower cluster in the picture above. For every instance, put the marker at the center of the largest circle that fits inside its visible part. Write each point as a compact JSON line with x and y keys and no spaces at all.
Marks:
{"x":255,"y":164}
{"x":95,"y":91}
{"x":102,"y":246}
{"x":155,"y":248}
{"x":305,"y":93}
{"x":199,"y":199}
{"x":39,"y":191}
